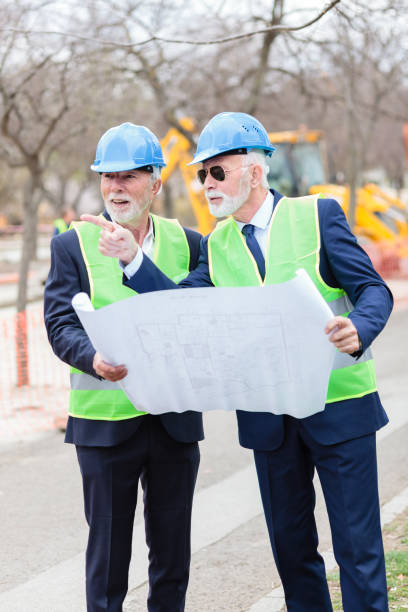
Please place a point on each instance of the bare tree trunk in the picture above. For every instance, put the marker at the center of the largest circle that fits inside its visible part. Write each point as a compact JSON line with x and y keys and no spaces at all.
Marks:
{"x":22,"y":363}
{"x":62,"y":197}
{"x":31,"y":203}
{"x":37,"y":197}
{"x":353,"y":162}
{"x":27,"y":254}
{"x":168,"y":208}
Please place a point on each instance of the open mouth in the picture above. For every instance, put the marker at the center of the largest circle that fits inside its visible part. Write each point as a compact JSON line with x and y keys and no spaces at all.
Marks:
{"x":216,"y":200}
{"x":119,"y":202}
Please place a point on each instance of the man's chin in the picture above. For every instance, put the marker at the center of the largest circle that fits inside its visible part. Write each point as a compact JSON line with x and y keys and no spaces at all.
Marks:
{"x":126,"y":217}
{"x":217,"y":211}
{"x":221,"y":210}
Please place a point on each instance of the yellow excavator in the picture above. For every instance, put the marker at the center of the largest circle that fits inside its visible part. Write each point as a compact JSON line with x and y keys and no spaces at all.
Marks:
{"x":177,"y":153}
{"x":298,"y":166}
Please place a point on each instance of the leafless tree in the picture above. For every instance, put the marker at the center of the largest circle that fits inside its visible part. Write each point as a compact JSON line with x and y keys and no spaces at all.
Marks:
{"x":324,"y":68}
{"x":347,"y":78}
{"x":35,"y":97}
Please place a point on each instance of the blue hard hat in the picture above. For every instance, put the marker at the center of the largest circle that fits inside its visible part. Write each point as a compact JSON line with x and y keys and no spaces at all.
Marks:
{"x":127,"y":147}
{"x":231,"y":132}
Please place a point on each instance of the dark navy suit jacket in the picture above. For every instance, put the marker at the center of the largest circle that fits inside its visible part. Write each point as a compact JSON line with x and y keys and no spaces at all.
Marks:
{"x":343,"y":263}
{"x":68,"y":276}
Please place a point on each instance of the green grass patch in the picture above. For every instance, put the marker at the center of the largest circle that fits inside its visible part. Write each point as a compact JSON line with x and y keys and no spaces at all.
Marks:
{"x":335,"y":592}
{"x":397,"y":580}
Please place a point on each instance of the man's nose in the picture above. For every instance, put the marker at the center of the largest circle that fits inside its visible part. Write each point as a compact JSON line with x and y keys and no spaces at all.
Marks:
{"x":209,"y":181}
{"x":117,"y":183}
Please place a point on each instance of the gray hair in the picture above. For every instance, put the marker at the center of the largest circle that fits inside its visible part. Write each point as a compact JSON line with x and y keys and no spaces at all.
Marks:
{"x":156,"y":174}
{"x":258,"y":157}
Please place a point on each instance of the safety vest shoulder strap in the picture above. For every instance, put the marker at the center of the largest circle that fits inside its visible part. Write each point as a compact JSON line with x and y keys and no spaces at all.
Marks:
{"x":230,"y":261}
{"x":171,"y":249}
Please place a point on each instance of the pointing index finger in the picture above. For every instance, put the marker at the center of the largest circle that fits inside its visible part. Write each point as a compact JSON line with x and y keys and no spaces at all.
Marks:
{"x":100,"y":221}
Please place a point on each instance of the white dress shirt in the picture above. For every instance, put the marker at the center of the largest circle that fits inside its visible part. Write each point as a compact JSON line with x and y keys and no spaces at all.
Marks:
{"x":261,"y":220}
{"x":147,"y":249}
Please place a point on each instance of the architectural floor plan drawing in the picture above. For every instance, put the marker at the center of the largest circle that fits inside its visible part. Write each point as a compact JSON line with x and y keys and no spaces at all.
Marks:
{"x":250,"y":348}
{"x":203,"y":346}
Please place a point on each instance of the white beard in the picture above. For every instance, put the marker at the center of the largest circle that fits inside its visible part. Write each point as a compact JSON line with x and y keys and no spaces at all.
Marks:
{"x":133,"y":210}
{"x":230,"y":204}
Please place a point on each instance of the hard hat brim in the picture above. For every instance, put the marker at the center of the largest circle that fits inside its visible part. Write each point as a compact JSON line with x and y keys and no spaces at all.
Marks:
{"x":121,"y":166}
{"x":209,"y":153}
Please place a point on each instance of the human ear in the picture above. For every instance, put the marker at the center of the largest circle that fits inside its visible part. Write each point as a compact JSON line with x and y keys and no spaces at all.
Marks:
{"x":256,"y":175}
{"x":156,"y":187}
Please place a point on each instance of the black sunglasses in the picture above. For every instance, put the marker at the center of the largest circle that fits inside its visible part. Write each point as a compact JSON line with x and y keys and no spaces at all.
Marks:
{"x":217,"y":172}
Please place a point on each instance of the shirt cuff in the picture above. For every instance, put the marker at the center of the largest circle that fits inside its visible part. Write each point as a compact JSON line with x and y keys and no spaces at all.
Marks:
{"x":134,"y":265}
{"x":357,"y":354}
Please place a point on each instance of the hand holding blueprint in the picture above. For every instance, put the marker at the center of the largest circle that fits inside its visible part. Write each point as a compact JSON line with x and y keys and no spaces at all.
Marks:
{"x":235,"y":348}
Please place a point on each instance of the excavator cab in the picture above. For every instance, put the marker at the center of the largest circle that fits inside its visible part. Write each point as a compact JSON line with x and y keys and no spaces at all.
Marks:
{"x":295,"y":167}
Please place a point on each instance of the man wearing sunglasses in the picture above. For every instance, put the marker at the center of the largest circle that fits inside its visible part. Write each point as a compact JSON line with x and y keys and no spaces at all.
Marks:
{"x":117,"y":445}
{"x":266,"y":238}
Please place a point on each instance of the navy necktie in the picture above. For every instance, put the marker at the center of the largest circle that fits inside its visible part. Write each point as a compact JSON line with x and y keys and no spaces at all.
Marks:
{"x":253,"y":246}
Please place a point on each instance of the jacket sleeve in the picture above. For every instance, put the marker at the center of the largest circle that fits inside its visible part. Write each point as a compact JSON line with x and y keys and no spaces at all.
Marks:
{"x":345,"y":264}
{"x":67,"y":277}
{"x":150,"y":278}
{"x":194,"y":241}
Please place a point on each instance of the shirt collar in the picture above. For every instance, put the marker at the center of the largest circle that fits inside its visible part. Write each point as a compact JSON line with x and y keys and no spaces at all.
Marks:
{"x":262,"y":217}
{"x":148,"y":241}
{"x":150,"y":231}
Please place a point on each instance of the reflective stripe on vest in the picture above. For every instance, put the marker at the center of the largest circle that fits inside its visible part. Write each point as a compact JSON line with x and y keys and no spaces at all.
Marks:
{"x":91,"y":398}
{"x":293,"y":242}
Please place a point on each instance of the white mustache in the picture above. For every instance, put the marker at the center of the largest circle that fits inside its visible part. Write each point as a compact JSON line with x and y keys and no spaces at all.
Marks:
{"x":118,"y":196}
{"x":214,"y":194}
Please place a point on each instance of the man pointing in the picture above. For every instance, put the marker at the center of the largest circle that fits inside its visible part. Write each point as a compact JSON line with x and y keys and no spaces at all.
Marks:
{"x":117,"y":444}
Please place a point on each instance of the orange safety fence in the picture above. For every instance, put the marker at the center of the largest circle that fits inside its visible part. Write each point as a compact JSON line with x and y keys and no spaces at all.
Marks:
{"x":34,"y":383}
{"x":387,"y":259}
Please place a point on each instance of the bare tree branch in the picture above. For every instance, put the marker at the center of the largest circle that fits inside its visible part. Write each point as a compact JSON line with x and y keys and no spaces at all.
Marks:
{"x":217,"y":41}
{"x":269,"y":39}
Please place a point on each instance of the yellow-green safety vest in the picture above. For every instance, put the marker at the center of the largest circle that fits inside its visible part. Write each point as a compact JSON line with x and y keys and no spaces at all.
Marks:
{"x":293,"y":242}
{"x":91,"y":398}
{"x":60,"y":225}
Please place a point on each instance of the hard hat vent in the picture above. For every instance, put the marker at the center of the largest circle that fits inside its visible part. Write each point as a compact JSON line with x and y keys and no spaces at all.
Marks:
{"x":229,"y":132}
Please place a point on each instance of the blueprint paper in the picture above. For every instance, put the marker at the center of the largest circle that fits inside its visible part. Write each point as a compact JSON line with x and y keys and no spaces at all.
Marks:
{"x":236,"y":348}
